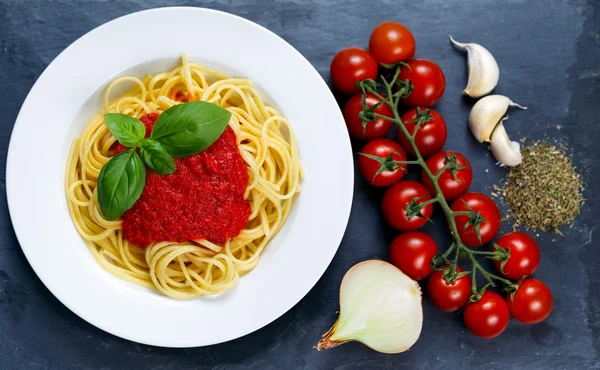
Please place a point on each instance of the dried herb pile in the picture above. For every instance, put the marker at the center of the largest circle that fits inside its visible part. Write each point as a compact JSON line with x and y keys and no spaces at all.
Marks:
{"x":544,"y":192}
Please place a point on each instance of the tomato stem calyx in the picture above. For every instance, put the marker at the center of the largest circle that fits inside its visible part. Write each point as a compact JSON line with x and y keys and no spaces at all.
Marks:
{"x":395,"y":65}
{"x":500,"y":254}
{"x":406,"y":88}
{"x":451,"y":273}
{"x":413,"y":209}
{"x":388,"y":163}
{"x":421,"y":118}
{"x":513,"y":287}
{"x":475,"y":221}
{"x":368,"y":113}
{"x":477,"y":296}
{"x":450,"y":164}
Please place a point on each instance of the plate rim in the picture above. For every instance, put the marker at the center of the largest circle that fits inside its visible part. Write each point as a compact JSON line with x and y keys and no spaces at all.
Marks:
{"x":11,"y":185}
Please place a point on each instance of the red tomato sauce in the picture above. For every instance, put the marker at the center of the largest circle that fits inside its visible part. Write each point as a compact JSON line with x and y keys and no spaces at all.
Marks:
{"x":203,"y":199}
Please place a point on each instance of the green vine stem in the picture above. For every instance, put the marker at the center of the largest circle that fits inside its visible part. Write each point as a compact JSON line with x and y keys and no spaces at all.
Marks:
{"x":392,"y":99}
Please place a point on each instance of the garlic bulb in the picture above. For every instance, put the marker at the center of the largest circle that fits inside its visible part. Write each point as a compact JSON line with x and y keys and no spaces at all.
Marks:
{"x":379,"y":306}
{"x":487,"y":113}
{"x":505,"y":151}
{"x":483,"y":69}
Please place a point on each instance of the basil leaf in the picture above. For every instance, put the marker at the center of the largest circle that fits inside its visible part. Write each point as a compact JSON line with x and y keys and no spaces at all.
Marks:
{"x":156,"y":157}
{"x":189,"y":128}
{"x":120,"y":183}
{"x":127,"y":130}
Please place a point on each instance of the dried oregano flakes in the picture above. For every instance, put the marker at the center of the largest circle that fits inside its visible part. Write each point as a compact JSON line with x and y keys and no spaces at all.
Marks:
{"x":545,"y":191}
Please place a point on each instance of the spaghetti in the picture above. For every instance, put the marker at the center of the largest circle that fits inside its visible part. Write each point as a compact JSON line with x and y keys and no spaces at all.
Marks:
{"x":193,"y":268}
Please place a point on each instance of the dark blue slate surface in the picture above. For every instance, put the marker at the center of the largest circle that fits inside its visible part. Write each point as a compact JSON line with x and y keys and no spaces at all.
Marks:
{"x":549,"y":54}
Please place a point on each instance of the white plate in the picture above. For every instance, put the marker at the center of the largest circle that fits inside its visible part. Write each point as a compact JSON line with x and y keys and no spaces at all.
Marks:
{"x":69,"y":92}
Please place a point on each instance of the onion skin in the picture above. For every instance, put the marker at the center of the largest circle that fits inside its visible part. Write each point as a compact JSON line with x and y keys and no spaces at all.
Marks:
{"x":326,"y":342}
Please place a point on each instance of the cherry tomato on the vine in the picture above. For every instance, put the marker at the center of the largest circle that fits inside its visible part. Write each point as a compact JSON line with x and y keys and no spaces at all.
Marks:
{"x":430,"y":137}
{"x":448,"y":296}
{"x":377,"y":162}
{"x":351,"y":65}
{"x":532,"y":303}
{"x":412,"y":252}
{"x":486,"y":218}
{"x":428,"y":81}
{"x":524,"y":255}
{"x":400,"y":196}
{"x":451,"y":184}
{"x":391,"y":42}
{"x":488,"y":317}
{"x":378,"y":127}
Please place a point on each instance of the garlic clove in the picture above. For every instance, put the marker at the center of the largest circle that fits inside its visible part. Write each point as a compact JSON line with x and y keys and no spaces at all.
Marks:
{"x":487,"y":113}
{"x":505,"y":151}
{"x":380,"y":307}
{"x":483,"y":69}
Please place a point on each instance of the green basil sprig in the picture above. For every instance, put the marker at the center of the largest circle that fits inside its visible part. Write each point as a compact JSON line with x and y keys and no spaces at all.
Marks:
{"x":190,"y":128}
{"x":127,"y":130}
{"x":120,"y":183}
{"x":180,"y":131}
{"x":156,"y":157}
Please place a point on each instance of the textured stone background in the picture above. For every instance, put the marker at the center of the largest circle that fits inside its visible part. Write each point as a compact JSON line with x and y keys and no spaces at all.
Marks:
{"x":549,"y":54}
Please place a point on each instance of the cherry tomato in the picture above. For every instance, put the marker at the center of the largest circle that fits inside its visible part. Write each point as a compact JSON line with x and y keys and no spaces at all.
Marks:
{"x":431,"y":136}
{"x":488,"y":317}
{"x":532,"y":303}
{"x":391,"y":42}
{"x":428,"y":81}
{"x":351,"y":65}
{"x":524,"y":255}
{"x":450,"y":187}
{"x":373,"y":129}
{"x":489,"y":212}
{"x":449,"y":296}
{"x":412,"y":252}
{"x":399,"y":196}
{"x":382,"y":171}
